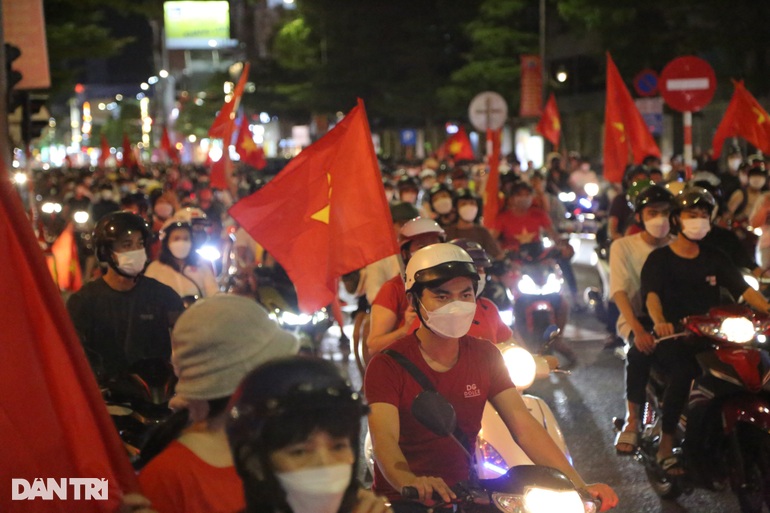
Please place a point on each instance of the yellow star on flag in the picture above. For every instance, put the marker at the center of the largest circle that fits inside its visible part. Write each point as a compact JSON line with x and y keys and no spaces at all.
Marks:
{"x":525,"y":236}
{"x":323,"y":214}
{"x":761,"y":118}
{"x":621,"y":129}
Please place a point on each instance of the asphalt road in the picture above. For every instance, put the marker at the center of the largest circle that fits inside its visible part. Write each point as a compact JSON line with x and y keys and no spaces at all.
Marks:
{"x":584,"y":403}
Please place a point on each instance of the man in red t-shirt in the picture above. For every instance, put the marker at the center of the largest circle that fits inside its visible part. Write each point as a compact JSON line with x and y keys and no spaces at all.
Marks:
{"x":521,"y":223}
{"x":441,"y":282}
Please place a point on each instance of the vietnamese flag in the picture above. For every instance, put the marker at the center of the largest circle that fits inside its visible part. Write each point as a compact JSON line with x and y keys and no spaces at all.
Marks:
{"x":129,"y":159}
{"x":104,"y":154}
{"x":169,"y":149}
{"x":549,"y":125}
{"x":325,"y":214}
{"x":250,"y":153}
{"x":491,"y":192}
{"x":53,"y":421}
{"x":745,"y":118}
{"x":226,"y":117}
{"x":64,"y":263}
{"x":624,"y":128}
{"x":458,"y":146}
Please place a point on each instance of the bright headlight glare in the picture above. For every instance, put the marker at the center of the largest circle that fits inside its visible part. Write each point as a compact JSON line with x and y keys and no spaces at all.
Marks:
{"x":81,"y":216}
{"x":210,"y":253}
{"x":507,"y":317}
{"x":751,"y":281}
{"x":521,"y":366}
{"x":591,"y":189}
{"x":492,"y":460}
{"x":293,"y":319}
{"x":50,"y":207}
{"x":567,"y":197}
{"x":737,"y":329}
{"x":20,"y":178}
{"x":527,"y":286}
{"x":543,"y":500}
{"x":552,"y":285}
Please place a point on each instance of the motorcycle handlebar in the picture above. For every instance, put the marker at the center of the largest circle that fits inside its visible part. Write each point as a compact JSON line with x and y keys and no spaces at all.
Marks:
{"x":411,"y":493}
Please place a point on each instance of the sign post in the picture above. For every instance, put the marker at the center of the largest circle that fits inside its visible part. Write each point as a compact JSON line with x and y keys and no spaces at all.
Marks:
{"x":687,"y":84}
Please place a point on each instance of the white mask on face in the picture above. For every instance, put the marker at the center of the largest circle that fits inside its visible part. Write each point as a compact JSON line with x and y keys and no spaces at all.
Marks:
{"x":734,"y":163}
{"x":443,"y":205}
{"x":408,"y":197}
{"x":389,"y":194}
{"x":757,"y":182}
{"x":131,"y":262}
{"x":482,"y":283}
{"x":658,"y":226}
{"x":468,"y":213}
{"x":317,"y":489}
{"x":180,"y":248}
{"x":163,"y":210}
{"x":452,"y":320}
{"x":696,"y":229}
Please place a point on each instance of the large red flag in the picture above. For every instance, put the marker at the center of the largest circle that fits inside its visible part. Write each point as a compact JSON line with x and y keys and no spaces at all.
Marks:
{"x":226,"y":115}
{"x":169,"y":149}
{"x":64,"y":263}
{"x":250,"y":153}
{"x":104,"y":154}
{"x":457,"y":146}
{"x":129,"y":159}
{"x":53,"y":422}
{"x":624,"y":128}
{"x":549,"y":125}
{"x":491,"y":198}
{"x":325,"y":214}
{"x":746,"y":118}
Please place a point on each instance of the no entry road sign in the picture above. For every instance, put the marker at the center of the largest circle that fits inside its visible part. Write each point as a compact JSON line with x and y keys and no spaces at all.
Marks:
{"x":687,"y":84}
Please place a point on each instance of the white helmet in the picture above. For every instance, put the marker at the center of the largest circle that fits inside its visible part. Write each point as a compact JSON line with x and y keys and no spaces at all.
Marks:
{"x":419,"y":226}
{"x":438,"y":263}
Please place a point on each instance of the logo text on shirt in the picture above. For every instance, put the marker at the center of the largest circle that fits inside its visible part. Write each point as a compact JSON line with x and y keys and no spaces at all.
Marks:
{"x":472,"y":391}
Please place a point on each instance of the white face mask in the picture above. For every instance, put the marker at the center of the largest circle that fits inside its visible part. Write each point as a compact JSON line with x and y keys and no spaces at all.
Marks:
{"x":482,"y":283}
{"x":163,"y":210}
{"x":452,"y":320}
{"x":696,"y":229}
{"x":131,"y":262}
{"x":443,"y":205}
{"x":734,"y":163}
{"x":389,"y":194}
{"x":658,"y":226}
{"x":317,"y":489}
{"x":180,"y":248}
{"x":468,"y":213}
{"x":757,"y":182}
{"x":408,"y":197}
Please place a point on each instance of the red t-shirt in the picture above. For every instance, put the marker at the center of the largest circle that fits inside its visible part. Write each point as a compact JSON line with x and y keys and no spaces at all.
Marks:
{"x":521,"y":229}
{"x":487,"y":323}
{"x":178,"y":481}
{"x":478,"y":375}
{"x":392,"y":295}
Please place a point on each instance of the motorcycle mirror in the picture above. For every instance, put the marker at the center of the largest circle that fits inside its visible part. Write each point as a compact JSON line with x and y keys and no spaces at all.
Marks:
{"x":434,"y":412}
{"x":551,"y":333}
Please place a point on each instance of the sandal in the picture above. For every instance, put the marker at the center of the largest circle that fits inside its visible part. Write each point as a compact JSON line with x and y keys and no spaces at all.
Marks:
{"x":626,"y":438}
{"x":672,"y":466}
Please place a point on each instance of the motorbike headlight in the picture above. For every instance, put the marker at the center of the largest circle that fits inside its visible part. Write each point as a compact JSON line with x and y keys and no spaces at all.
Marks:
{"x":751,"y":281}
{"x":585,"y":203}
{"x":591,"y":189}
{"x":552,"y":285}
{"x":508,"y":503}
{"x":507,"y":317}
{"x":521,"y":366}
{"x":567,"y":197}
{"x":292,"y":319}
{"x":81,"y":216}
{"x":737,"y":329}
{"x":20,"y":178}
{"x":544,"y":500}
{"x":50,"y":207}
{"x":528,"y":286}
{"x":209,"y":253}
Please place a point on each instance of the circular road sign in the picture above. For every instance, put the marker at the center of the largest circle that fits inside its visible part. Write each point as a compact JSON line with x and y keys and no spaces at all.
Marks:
{"x":487,"y":111}
{"x":646,"y":82}
{"x":687,"y":84}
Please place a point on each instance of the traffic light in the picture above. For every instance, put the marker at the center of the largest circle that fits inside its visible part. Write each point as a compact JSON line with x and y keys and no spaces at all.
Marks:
{"x":35,"y":117}
{"x":13,"y":77}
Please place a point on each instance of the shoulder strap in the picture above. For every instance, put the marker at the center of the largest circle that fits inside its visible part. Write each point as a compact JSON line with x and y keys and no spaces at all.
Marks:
{"x":421,"y":379}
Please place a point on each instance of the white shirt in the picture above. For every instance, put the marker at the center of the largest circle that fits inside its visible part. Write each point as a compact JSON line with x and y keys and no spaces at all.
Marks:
{"x":376,"y":274}
{"x":196,"y":281}
{"x":627,"y":257}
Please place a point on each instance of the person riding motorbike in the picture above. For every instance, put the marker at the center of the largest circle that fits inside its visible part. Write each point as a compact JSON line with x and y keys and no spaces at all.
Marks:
{"x":123,"y":316}
{"x":441,"y":283}
{"x":392,"y":317}
{"x":678,"y":280}
{"x":652,"y":207}
{"x":468,"y":226}
{"x":440,"y":205}
{"x":294,"y":428}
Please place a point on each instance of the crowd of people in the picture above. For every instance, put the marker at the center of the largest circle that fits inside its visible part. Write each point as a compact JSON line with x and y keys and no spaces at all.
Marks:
{"x":286,"y":438}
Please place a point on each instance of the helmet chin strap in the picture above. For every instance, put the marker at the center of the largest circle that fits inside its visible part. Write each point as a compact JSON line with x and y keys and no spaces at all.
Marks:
{"x":419,"y":316}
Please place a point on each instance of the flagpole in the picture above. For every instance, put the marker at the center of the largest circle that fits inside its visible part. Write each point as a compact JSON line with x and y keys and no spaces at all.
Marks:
{"x":687,"y":122}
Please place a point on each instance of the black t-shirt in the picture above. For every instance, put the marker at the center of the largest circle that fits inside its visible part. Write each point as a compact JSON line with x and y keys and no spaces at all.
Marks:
{"x":727,"y":242}
{"x":690,"y":286}
{"x":118,"y":328}
{"x":620,"y":209}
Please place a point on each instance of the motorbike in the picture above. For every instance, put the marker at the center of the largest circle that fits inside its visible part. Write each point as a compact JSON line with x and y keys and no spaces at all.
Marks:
{"x":523,"y":488}
{"x":137,"y":401}
{"x":495,"y":450}
{"x":537,"y":286}
{"x":724,"y":435}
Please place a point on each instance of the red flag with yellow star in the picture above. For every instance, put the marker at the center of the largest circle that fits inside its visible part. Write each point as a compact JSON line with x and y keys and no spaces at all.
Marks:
{"x":325,"y":214}
{"x":245,"y":146}
{"x":746,"y":118}
{"x":549,"y":125}
{"x":457,"y":146}
{"x":626,"y":136}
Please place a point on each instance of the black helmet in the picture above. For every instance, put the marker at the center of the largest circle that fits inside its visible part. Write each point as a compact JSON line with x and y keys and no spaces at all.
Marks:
{"x":407,"y":182}
{"x":694,"y":197}
{"x":652,"y":194}
{"x":475,"y":250}
{"x":438,"y":188}
{"x":280,"y":403}
{"x":113,"y":226}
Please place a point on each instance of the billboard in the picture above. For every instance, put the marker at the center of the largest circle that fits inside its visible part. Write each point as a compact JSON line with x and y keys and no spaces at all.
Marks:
{"x":194,"y":25}
{"x":23,"y":27}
